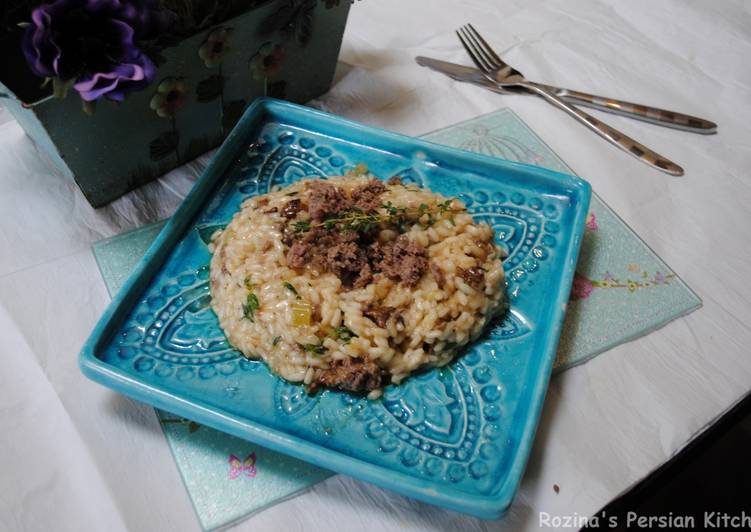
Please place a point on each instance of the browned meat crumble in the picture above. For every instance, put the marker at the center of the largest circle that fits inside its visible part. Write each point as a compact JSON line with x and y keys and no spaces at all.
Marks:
{"x":353,"y":256}
{"x":474,"y":277}
{"x":379,"y":315}
{"x":404,"y":261}
{"x":353,"y":375}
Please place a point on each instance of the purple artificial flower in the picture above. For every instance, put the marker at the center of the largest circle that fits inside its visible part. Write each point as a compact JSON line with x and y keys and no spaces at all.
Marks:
{"x":95,"y":44}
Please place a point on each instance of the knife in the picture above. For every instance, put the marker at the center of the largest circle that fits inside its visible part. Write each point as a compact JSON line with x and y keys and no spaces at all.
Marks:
{"x":644,"y":113}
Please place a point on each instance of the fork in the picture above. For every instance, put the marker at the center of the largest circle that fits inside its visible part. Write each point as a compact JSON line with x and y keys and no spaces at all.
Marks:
{"x":505,"y":76}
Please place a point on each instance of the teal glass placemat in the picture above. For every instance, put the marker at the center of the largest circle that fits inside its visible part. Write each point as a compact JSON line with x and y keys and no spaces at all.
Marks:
{"x":227,"y":478}
{"x":622,"y":290}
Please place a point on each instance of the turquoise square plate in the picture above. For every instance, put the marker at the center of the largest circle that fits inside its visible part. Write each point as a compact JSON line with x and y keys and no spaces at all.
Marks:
{"x":457,"y":437}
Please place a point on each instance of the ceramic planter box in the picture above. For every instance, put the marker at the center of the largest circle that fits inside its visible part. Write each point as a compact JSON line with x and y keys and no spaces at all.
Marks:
{"x":282,"y":48}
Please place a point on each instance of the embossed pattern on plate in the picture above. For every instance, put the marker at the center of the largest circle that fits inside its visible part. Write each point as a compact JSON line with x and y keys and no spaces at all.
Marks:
{"x":456,"y":436}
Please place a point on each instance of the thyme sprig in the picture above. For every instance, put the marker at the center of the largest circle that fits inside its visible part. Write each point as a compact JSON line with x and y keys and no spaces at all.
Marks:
{"x":361,"y":222}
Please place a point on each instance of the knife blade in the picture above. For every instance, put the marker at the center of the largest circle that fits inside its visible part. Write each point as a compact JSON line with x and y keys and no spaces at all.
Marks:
{"x":644,"y":113}
{"x":458,"y":72}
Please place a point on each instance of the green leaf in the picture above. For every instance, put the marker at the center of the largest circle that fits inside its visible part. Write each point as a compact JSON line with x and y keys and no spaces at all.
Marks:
{"x":88,"y":107}
{"x":304,"y":23}
{"x":314,"y":349}
{"x":276,"y":340}
{"x":343,"y":334}
{"x":279,"y":19}
{"x":23,"y":24}
{"x":291,"y":288}
{"x":60,"y":87}
{"x":301,"y":226}
{"x":164,"y":145}
{"x":250,"y":307}
{"x":210,"y":88}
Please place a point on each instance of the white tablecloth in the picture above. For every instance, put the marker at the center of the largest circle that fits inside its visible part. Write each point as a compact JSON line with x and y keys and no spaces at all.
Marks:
{"x":75,"y":456}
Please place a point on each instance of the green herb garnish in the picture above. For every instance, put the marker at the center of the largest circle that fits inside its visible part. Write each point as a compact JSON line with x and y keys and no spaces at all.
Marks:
{"x":250,"y":307}
{"x":291,"y":194}
{"x":360,"y":222}
{"x":343,"y":334}
{"x":301,"y":226}
{"x":314,"y":349}
{"x":249,"y":284}
{"x":291,"y":288}
{"x":275,"y":340}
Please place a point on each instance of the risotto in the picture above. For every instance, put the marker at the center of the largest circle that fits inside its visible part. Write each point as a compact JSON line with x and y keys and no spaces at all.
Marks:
{"x":352,"y":283}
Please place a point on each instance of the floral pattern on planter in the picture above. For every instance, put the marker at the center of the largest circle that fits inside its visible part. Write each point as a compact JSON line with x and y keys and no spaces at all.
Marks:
{"x":267,"y":61}
{"x":213,"y":51}
{"x":294,"y":20}
{"x":171,"y":95}
{"x":216,"y":47}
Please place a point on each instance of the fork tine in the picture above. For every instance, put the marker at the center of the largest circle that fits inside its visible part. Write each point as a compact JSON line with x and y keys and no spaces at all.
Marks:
{"x":478,"y":49}
{"x":488,"y":49}
{"x":475,"y":59}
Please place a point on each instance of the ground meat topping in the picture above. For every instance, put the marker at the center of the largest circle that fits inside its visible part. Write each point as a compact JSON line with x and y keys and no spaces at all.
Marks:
{"x":298,"y":253}
{"x":349,"y":262}
{"x":325,"y":200}
{"x":291,"y":209}
{"x":367,"y":197}
{"x":375,"y":252}
{"x":339,"y":253}
{"x":474,"y":277}
{"x":379,"y":315}
{"x":404,"y":261}
{"x":353,"y":375}
{"x":351,"y":255}
{"x":396,"y":180}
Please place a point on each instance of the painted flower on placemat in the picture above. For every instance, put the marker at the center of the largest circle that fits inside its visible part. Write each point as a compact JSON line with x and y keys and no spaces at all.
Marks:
{"x":581,"y":288}
{"x":237,"y":467}
{"x":267,"y":61}
{"x":591,"y":222}
{"x":216,"y":47}
{"x":171,"y":95}
{"x":95,"y":45}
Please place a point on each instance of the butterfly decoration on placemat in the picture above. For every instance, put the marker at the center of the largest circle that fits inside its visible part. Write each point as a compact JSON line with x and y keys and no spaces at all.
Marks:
{"x":237,"y":467}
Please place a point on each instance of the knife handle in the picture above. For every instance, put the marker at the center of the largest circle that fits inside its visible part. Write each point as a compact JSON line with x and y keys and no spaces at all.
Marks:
{"x":612,"y":135}
{"x":653,"y":115}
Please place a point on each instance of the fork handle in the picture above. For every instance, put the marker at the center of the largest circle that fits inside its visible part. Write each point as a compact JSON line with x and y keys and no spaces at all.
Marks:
{"x":612,"y":135}
{"x":653,"y":115}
